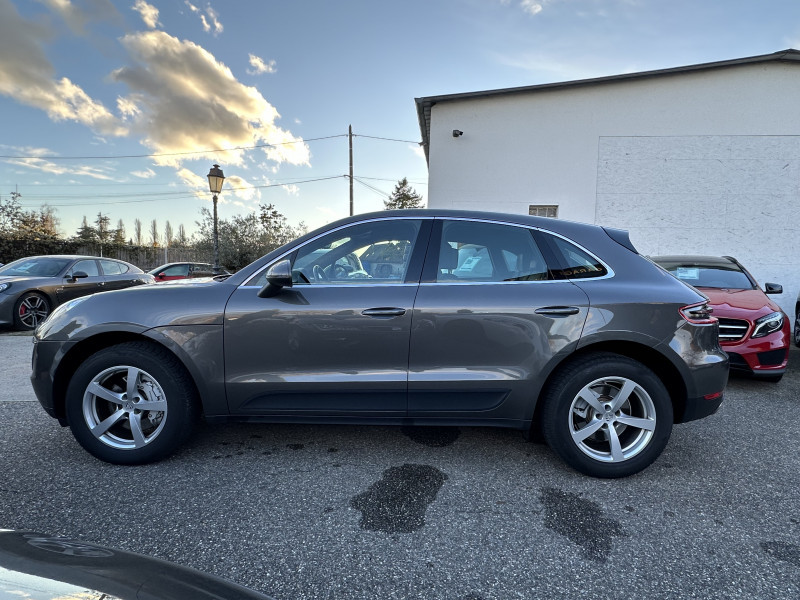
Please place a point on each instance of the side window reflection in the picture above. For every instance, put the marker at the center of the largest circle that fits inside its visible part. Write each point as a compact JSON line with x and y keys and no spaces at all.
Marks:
{"x":377,"y":252}
{"x":472,"y":251}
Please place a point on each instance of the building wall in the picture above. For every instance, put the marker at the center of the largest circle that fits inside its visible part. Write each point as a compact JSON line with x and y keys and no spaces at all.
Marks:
{"x":692,"y":163}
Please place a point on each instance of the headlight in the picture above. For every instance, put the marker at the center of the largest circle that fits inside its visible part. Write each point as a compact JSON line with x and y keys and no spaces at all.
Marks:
{"x":768,"y":324}
{"x":4,"y":286}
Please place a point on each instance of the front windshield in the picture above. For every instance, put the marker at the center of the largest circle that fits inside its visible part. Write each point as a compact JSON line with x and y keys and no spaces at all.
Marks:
{"x":46,"y":266}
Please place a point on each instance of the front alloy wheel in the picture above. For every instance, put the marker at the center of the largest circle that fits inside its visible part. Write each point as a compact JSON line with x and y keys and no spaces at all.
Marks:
{"x":607,"y":415}
{"x":797,"y":329}
{"x":125,"y":407}
{"x":132,"y":403}
{"x":30,"y":310}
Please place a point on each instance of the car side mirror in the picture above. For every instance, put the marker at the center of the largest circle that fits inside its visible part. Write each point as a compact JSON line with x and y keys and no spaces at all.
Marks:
{"x":77,"y":275}
{"x":773,"y":288}
{"x":279,"y":276}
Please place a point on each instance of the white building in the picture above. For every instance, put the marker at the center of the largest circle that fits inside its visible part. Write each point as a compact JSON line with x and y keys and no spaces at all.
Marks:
{"x":702,"y":159}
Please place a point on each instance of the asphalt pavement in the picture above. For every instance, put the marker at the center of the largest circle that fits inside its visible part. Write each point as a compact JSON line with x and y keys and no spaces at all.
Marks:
{"x":347,"y":512}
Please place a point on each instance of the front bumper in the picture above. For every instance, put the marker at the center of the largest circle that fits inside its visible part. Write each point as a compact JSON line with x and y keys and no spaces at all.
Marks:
{"x":44,"y":361}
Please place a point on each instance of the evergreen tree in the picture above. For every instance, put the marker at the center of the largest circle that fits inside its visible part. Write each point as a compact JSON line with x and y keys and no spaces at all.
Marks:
{"x":86,"y":233}
{"x":403,"y":196}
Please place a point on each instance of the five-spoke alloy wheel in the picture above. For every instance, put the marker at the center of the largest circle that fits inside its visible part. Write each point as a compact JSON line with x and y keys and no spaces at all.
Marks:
{"x":130,"y":404}
{"x":607,"y":415}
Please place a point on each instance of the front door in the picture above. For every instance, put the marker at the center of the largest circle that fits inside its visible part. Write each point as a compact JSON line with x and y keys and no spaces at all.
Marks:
{"x":74,"y":288}
{"x":336,"y":342}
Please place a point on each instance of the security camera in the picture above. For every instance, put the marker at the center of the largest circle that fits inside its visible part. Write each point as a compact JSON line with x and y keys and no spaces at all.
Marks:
{"x":457,"y":133}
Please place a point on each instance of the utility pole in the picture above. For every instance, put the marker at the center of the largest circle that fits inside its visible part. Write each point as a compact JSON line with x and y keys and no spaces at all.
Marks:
{"x":350,"y":136}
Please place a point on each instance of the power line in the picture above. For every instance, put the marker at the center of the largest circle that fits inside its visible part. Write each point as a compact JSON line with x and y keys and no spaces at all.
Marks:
{"x":184,"y":195}
{"x":374,"y":137}
{"x":115,"y":156}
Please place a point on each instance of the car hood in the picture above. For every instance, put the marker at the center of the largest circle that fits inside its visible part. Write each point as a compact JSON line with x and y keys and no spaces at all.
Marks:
{"x":23,"y":278}
{"x":39,"y":566}
{"x":136,"y":309}
{"x":739,"y":303}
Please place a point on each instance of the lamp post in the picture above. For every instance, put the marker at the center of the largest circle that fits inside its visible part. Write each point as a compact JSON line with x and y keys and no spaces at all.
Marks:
{"x":215,"y":179}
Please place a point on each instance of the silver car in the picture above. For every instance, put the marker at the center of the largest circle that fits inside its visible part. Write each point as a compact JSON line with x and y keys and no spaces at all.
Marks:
{"x":546,"y":326}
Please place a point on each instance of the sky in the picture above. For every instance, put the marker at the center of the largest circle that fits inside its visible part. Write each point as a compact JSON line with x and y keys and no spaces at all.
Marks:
{"x":122,"y":107}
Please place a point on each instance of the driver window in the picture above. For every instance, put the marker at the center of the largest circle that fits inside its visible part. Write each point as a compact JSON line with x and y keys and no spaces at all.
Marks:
{"x":375,"y":252}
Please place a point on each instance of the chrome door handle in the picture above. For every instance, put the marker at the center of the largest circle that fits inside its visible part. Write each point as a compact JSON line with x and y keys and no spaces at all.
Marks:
{"x":383,"y":312}
{"x":557,"y":311}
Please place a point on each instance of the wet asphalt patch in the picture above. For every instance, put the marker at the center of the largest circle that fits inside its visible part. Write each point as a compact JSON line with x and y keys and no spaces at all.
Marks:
{"x":581,"y":521}
{"x":398,"y":502}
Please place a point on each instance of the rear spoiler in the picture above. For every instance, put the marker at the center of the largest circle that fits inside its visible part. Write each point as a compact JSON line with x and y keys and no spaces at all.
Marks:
{"x":621,"y":237}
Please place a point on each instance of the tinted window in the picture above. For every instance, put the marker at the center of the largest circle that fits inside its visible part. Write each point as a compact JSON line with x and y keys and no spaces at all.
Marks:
{"x":375,"y":252}
{"x":176,"y":271}
{"x":112,"y":267}
{"x":471,"y":251}
{"x":711,"y":276}
{"x":576,"y":263}
{"x":87,"y":266}
{"x":35,"y":267}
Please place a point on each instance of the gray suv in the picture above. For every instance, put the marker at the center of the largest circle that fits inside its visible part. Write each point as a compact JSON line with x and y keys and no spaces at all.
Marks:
{"x":487,"y":319}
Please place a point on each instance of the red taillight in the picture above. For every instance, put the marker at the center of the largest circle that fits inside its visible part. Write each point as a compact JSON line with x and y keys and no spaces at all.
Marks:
{"x":713,"y":396}
{"x":699,"y":314}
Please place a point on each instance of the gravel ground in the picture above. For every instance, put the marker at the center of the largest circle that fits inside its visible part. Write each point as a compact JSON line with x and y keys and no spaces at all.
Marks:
{"x":302,"y":512}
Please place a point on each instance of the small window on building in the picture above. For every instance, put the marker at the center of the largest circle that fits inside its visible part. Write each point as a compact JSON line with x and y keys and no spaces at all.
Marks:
{"x":543,"y":210}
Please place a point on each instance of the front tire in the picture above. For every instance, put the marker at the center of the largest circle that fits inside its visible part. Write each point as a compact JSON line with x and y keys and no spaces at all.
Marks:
{"x":133,"y":403}
{"x":607,"y":415}
{"x":797,"y":328}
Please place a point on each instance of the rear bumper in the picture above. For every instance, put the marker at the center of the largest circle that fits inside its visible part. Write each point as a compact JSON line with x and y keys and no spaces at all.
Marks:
{"x":697,"y":408}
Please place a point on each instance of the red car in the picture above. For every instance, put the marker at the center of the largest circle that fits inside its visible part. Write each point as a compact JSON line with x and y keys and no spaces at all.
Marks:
{"x":753,"y":330}
{"x":182,"y":270}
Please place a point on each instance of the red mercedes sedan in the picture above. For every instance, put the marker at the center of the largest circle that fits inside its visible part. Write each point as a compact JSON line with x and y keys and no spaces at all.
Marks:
{"x":753,"y":330}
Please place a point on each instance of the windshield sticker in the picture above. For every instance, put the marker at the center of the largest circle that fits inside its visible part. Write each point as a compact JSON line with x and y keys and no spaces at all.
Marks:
{"x":688,"y":273}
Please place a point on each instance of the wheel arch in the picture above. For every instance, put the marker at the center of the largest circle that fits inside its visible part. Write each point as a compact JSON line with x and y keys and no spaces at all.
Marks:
{"x":89,"y":346}
{"x":664,"y":369}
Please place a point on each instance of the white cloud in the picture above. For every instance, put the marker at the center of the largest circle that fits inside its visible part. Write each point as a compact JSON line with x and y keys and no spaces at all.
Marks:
{"x":27,"y":76}
{"x":148,"y":12}
{"x":260,"y":67}
{"x":77,"y":17}
{"x":181,"y":99}
{"x":36,"y":160}
{"x":208,"y":16}
{"x":146,"y":174}
{"x":532,"y":7}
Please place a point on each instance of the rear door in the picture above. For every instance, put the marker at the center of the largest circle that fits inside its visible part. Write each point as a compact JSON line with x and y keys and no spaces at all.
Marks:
{"x":488,"y":317}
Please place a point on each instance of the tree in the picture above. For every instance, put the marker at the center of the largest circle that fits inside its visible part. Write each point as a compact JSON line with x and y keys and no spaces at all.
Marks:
{"x":137,"y":232}
{"x":119,"y":233}
{"x":38,"y":224}
{"x":86,"y":233}
{"x":180,"y":239}
{"x":10,"y":214}
{"x":102,"y":227}
{"x":403,"y":196}
{"x":154,"y":237}
{"x":168,"y":235}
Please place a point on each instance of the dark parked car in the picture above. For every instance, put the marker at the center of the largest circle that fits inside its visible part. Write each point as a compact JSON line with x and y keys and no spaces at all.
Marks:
{"x":753,"y":330}
{"x":183,"y":270}
{"x":30,"y":288}
{"x":494,"y":320}
{"x":797,"y":322}
{"x":43,"y":567}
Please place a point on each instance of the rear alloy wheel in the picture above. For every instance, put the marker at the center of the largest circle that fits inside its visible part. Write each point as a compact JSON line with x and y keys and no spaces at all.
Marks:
{"x":30,"y":310}
{"x":131,"y":404}
{"x":607,"y":415}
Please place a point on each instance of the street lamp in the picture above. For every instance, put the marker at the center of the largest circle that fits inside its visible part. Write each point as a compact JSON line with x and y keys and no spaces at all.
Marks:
{"x":215,"y":179}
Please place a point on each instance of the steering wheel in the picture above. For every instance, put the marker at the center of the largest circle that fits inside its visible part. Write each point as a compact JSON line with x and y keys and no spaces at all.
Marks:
{"x":319,"y":274}
{"x":340,"y":271}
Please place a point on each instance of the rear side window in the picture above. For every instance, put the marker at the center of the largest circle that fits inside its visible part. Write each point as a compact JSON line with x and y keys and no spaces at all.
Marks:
{"x":111,"y":267}
{"x":475,"y":251}
{"x":575,"y":262}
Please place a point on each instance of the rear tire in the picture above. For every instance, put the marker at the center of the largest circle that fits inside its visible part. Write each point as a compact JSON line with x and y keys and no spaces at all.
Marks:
{"x":132,"y":403}
{"x":607,"y":415}
{"x":797,"y":328}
